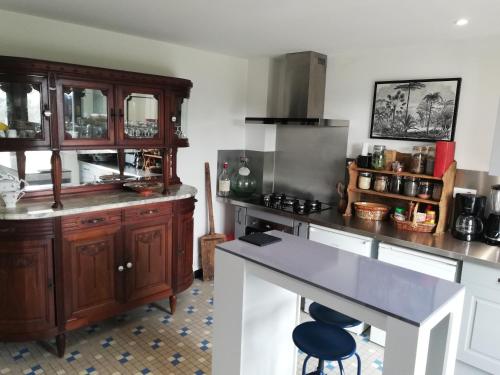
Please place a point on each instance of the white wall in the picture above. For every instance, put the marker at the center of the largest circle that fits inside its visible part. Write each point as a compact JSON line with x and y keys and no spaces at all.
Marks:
{"x":351,"y":77}
{"x":350,"y":82}
{"x":218,"y":98}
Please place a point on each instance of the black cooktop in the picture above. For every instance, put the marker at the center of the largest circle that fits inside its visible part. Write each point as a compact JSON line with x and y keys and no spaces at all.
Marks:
{"x":289,"y":203}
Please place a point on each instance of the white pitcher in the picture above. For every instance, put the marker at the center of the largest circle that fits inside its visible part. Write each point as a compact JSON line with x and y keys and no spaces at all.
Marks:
{"x":10,"y":198}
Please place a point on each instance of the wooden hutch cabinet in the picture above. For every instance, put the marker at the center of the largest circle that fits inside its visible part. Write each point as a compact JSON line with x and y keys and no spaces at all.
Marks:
{"x":70,"y":269}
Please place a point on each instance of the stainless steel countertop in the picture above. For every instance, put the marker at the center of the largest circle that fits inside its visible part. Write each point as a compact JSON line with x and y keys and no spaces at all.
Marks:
{"x":443,"y":245}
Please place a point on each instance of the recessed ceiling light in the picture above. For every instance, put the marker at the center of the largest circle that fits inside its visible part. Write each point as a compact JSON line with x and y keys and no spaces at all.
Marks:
{"x":462,"y":22}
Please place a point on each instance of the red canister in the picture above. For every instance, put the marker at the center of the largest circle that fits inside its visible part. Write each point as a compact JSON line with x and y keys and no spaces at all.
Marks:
{"x":445,"y":154}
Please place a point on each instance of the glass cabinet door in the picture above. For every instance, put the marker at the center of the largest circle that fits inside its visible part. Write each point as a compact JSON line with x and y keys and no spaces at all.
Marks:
{"x":141,"y":114}
{"x":86,"y":114}
{"x":24,"y":112}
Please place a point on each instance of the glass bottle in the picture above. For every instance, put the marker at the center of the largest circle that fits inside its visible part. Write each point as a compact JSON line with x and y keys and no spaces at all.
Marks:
{"x":378,"y":157}
{"x":244,"y":182}
{"x":224,"y":182}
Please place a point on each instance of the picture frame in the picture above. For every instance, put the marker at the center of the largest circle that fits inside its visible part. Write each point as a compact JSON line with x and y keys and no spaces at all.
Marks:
{"x":415,"y":110}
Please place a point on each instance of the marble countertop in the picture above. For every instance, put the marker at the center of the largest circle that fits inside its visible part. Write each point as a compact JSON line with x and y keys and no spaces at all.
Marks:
{"x":89,"y":202}
{"x":442,"y":245}
{"x":398,"y":292}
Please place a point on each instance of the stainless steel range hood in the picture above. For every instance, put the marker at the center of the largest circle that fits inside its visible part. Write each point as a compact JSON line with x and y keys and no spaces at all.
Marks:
{"x":296,"y":91}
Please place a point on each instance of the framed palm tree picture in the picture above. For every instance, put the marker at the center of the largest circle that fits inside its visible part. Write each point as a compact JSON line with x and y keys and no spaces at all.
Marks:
{"x":423,"y":110}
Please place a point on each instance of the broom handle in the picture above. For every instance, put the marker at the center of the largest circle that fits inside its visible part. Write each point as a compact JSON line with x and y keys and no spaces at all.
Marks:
{"x":208,"y":194}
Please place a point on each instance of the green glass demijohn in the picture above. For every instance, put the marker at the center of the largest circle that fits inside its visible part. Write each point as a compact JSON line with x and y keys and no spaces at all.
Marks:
{"x":244,"y":183}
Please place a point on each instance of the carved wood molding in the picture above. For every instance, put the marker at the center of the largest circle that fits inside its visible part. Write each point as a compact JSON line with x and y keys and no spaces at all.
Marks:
{"x":93,"y":249}
{"x":148,"y":237}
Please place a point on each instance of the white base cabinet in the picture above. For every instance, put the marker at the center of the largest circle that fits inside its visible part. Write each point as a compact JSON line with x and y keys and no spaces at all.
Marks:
{"x":353,"y":243}
{"x":479,"y":344}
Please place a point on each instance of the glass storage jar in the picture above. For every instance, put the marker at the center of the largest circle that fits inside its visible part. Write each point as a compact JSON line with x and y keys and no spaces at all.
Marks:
{"x":380,"y":184}
{"x":378,"y":157}
{"x":429,"y":163}
{"x":411,"y":186}
{"x":417,"y":164}
{"x":365,"y":180}
{"x":424,"y":190}
{"x":437,"y":190}
{"x":396,"y":184}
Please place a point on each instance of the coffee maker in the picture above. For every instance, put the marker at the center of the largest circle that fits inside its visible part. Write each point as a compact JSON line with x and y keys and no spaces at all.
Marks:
{"x":468,"y":217}
{"x":492,"y":227}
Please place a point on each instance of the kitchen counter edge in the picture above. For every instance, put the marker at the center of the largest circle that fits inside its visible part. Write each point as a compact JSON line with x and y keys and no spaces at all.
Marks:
{"x":444,"y":245}
{"x":83,"y":203}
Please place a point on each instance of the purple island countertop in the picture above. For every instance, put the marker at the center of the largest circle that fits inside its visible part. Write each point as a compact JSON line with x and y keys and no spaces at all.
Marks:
{"x":398,"y":292}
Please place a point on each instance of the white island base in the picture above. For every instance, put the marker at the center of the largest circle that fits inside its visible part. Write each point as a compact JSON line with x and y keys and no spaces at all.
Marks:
{"x":257,"y":306}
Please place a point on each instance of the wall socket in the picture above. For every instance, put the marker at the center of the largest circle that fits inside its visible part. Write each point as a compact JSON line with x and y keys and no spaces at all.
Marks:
{"x":459,"y":190}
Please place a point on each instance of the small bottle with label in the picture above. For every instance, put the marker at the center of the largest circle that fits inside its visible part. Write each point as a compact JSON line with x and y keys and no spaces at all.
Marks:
{"x":224,"y":182}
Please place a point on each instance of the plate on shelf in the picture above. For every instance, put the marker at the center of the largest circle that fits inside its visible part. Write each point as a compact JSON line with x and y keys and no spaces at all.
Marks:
{"x":145,"y":188}
{"x":115,"y":177}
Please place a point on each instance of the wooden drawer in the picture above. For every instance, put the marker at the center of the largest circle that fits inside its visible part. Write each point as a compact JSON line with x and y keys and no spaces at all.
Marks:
{"x":147,"y":211}
{"x":91,"y":220}
{"x":26,"y":228}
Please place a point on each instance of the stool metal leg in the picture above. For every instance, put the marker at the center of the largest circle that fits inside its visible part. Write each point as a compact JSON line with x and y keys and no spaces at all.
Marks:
{"x":305,"y":365}
{"x":321,"y":365}
{"x":359,"y":363}
{"x":341,"y":368}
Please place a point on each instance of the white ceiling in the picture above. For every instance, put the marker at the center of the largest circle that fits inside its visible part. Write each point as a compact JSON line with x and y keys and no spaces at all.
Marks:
{"x":270,"y":27}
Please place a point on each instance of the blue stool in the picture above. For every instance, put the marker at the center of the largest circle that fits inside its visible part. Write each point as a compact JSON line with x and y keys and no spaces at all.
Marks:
{"x":326,"y":315}
{"x":326,"y":343}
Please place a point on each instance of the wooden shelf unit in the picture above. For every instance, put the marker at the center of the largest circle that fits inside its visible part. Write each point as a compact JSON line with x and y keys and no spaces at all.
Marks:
{"x":354,"y":193}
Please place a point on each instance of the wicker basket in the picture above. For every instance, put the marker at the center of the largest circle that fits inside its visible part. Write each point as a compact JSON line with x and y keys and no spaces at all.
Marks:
{"x":413,"y":227}
{"x":371,"y":211}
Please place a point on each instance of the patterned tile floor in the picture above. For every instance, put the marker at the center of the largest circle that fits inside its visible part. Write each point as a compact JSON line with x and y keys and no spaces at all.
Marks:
{"x":149,"y":341}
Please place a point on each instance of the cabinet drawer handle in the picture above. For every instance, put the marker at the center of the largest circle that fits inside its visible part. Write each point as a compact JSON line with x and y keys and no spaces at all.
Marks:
{"x":149,"y":212}
{"x":120,"y":268}
{"x":181,"y":252}
{"x":129,"y":265}
{"x":93,"y":221}
{"x":7,"y":230}
{"x":498,"y":279}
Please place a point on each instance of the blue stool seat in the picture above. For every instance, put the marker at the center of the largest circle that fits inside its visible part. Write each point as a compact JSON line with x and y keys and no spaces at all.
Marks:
{"x":326,"y":315}
{"x":326,"y":343}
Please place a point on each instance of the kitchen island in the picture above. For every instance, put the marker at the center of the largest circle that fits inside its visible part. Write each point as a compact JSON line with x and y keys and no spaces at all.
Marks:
{"x":257,"y":293}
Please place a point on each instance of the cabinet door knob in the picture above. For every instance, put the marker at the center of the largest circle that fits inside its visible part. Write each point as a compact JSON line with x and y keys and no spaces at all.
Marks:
{"x":129,"y":265}
{"x":47,"y":113}
{"x":174,"y":119}
{"x":120,"y":268}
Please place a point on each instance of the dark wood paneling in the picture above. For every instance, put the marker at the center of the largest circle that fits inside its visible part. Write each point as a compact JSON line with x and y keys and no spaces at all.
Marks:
{"x":148,"y":258}
{"x":91,"y":259}
{"x":26,"y":287}
{"x":183,"y":245}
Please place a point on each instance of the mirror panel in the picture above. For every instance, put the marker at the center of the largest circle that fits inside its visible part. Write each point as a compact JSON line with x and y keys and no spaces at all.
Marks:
{"x":85,"y":113}
{"x":83,"y":167}
{"x":141,"y":116}
{"x":21,"y":110}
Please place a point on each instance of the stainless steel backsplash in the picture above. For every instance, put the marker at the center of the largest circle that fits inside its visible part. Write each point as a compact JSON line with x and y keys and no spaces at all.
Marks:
{"x":309,"y":161}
